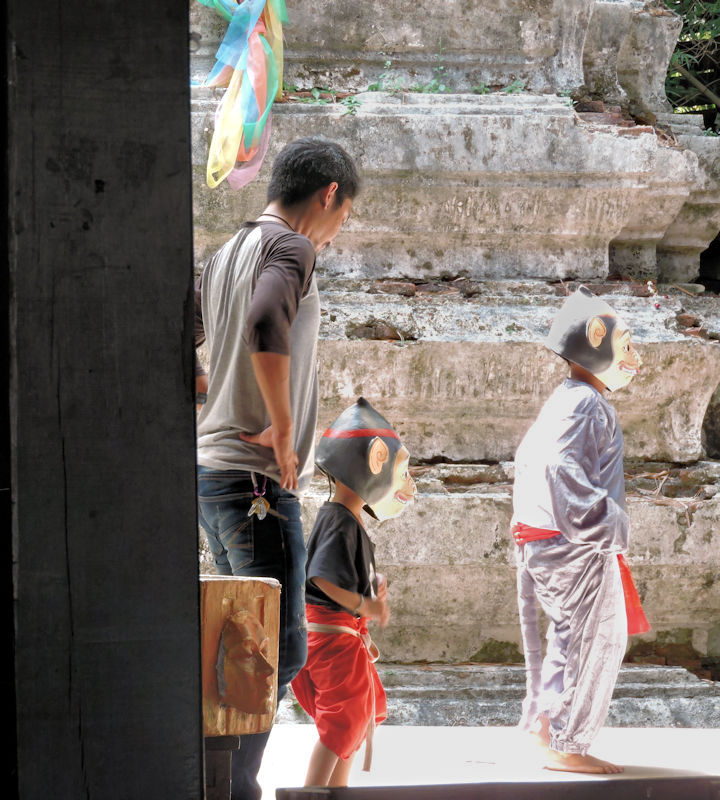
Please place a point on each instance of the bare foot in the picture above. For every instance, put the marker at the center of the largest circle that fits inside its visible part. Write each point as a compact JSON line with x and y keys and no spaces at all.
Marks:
{"x":574,"y":762}
{"x":540,"y":735}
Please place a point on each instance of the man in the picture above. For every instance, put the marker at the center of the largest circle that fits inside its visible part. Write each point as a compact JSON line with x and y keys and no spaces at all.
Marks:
{"x":257,"y":307}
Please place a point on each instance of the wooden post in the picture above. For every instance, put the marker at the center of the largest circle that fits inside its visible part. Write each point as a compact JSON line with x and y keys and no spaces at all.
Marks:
{"x":240,"y":620}
{"x":102,"y":429}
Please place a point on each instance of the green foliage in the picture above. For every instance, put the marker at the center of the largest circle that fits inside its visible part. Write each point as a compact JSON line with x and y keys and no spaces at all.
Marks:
{"x":436,"y":85}
{"x":697,"y":53}
{"x":387,"y":81}
{"x":514,"y":87}
{"x":319,"y":96}
{"x":481,"y":88}
{"x":323,"y":96}
{"x":351,"y":104}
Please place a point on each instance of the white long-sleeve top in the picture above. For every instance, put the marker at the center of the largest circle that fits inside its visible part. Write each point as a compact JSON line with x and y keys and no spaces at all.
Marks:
{"x":569,"y":470}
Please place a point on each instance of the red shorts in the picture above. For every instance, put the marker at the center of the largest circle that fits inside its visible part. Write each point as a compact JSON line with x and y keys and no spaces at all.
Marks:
{"x":338,"y":683}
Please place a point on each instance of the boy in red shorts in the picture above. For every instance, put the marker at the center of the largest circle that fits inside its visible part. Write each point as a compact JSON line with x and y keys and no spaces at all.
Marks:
{"x":339,"y":686}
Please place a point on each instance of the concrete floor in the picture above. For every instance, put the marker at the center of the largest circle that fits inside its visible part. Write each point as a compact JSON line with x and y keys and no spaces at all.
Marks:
{"x":432,"y":755}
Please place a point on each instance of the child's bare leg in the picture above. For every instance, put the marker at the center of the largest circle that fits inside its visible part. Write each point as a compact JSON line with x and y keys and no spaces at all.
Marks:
{"x":341,"y":773}
{"x":574,"y":762}
{"x":322,"y":765}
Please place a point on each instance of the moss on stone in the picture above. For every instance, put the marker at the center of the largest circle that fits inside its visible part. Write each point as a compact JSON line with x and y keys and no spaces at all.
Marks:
{"x":495,"y":652}
{"x":671,"y":647}
{"x":675,"y":636}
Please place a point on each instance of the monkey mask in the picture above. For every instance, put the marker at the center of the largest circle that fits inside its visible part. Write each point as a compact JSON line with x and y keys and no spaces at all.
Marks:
{"x":588,"y":332}
{"x":361,"y":450}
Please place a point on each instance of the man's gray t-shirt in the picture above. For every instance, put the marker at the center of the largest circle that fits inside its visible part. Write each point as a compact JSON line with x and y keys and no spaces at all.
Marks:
{"x":257,"y":294}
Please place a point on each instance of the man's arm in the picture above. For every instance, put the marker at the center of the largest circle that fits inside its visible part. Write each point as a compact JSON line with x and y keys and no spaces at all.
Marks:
{"x":272,"y":373}
{"x":201,"y":387}
{"x":272,"y":310}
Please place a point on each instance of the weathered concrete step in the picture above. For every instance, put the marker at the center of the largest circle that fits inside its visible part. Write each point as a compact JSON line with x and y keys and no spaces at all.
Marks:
{"x":505,"y":196}
{"x":420,"y":535}
{"x":457,"y":542}
{"x":455,"y":538}
{"x":632,"y":680}
{"x":346,"y":44}
{"x":485,"y":186}
{"x":643,"y":479}
{"x":544,"y":45}
{"x":492,"y":695}
{"x":457,"y":309}
{"x":474,"y":350}
{"x":471,"y":401}
{"x":489,"y":394}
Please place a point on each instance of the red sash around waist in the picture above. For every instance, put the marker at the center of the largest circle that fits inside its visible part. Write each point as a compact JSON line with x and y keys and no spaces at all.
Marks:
{"x":524,"y":533}
{"x":636,"y":619}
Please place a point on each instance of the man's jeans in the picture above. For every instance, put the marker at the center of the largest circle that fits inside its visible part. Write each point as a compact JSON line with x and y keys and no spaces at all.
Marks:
{"x":268,"y":548}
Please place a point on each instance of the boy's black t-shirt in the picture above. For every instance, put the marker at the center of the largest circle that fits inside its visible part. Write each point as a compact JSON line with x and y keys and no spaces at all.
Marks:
{"x":340,"y":551}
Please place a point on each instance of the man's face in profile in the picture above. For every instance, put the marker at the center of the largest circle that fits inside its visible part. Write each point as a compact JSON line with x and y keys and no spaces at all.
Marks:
{"x":328,"y":226}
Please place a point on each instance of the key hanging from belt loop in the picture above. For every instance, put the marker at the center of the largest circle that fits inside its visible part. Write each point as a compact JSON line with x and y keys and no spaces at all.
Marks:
{"x":259,"y":505}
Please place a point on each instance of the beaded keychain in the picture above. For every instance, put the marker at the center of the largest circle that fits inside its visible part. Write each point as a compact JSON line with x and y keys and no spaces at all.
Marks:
{"x":259,"y":505}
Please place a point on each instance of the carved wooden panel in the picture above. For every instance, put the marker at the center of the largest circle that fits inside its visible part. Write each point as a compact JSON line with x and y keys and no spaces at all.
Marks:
{"x":240,"y":620}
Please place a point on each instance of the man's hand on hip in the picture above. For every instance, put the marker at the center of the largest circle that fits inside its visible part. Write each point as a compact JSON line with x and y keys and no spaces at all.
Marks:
{"x":272,"y":373}
{"x":285,"y":456}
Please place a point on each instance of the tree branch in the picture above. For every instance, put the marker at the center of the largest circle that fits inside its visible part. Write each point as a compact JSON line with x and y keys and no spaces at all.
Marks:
{"x":698,"y":84}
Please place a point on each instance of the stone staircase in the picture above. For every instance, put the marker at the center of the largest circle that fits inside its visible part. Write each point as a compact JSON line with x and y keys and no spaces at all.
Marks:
{"x":514,"y":181}
{"x":547,"y":157}
{"x":475,"y":695}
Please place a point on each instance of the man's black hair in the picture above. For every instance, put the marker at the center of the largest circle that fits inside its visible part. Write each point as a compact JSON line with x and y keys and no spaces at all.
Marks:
{"x":308,"y":164}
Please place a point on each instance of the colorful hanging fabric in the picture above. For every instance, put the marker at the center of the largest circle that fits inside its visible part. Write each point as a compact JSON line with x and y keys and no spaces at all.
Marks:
{"x":249,"y":63}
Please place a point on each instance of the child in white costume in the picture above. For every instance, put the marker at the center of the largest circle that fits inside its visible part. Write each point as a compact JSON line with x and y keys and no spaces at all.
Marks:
{"x":571,"y":529}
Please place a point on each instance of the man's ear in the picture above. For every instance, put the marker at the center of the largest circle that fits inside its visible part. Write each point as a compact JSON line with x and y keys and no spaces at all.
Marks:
{"x":378,"y":454}
{"x":596,"y":331}
{"x":327,"y":194}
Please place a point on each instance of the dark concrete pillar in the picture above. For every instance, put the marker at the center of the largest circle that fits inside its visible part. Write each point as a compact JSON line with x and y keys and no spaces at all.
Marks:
{"x":101,"y":411}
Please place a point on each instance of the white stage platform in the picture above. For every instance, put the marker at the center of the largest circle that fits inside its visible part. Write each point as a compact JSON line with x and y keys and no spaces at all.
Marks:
{"x":422,"y":756}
